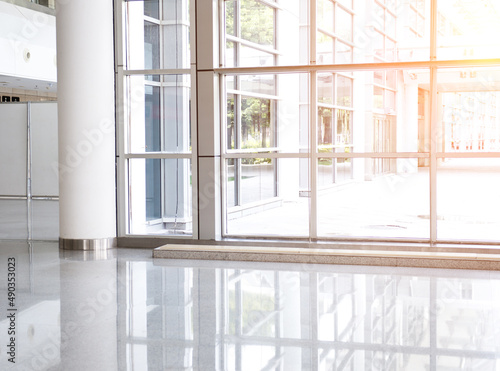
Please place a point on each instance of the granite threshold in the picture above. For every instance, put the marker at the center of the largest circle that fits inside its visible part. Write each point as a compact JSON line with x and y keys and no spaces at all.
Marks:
{"x":414,"y":259}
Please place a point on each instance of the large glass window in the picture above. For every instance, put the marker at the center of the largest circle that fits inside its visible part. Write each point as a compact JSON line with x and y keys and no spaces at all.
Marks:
{"x":373,"y":145}
{"x":159,"y":154}
{"x":337,"y":119}
{"x":157,"y":147}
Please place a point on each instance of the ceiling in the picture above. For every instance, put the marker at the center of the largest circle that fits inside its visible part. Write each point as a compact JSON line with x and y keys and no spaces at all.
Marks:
{"x":16,"y":82}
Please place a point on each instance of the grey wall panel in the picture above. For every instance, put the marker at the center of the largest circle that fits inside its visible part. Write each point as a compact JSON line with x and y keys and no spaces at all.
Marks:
{"x":13,"y":149}
{"x":44,"y":180}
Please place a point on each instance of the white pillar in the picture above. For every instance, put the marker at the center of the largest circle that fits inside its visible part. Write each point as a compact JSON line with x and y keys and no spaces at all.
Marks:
{"x":86,"y":123}
{"x":209,"y":203}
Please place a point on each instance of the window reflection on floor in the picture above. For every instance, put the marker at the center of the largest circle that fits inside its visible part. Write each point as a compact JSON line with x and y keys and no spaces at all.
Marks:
{"x":246,"y":316}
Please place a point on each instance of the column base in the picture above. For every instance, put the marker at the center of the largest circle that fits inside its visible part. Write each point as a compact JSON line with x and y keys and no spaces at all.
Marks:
{"x":99,"y":244}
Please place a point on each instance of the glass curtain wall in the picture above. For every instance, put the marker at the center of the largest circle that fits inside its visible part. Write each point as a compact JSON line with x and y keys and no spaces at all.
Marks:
{"x":339,"y":119}
{"x":157,"y":92}
{"x":385,"y":142}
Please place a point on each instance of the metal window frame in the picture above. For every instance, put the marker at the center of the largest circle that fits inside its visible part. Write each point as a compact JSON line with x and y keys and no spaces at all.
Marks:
{"x":433,"y":65}
{"x":124,"y":155}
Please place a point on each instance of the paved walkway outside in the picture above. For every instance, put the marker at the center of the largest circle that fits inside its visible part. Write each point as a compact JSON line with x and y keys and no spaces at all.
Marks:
{"x":395,"y":206}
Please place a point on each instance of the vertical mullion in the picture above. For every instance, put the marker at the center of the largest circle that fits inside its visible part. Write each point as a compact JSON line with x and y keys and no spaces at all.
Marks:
{"x":313,"y":122}
{"x":162,"y":148}
{"x":29,"y":163}
{"x":237,"y":106}
{"x":223,"y":161}
{"x":433,"y":128}
{"x":194,"y":118}
{"x":237,"y":144}
{"x":162,"y":118}
{"x":194,"y":147}
{"x":121,"y":143}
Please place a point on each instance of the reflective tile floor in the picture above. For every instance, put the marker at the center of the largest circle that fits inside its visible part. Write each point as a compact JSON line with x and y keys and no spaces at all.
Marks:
{"x":123,"y":311}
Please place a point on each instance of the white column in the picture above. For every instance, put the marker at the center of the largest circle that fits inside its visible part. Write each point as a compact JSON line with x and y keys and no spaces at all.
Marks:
{"x":86,"y":111}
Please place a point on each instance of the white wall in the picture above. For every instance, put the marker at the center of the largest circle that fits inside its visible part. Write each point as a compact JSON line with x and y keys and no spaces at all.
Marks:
{"x":14,"y":149}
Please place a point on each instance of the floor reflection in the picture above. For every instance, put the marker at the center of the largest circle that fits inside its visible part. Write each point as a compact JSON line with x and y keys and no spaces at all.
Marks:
{"x":124,"y":311}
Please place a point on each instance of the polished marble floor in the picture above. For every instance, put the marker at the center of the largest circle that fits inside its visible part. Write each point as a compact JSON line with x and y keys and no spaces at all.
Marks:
{"x":122,"y":310}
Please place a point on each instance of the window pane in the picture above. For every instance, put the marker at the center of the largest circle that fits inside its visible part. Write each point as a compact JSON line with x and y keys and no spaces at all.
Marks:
{"x":378,"y":97}
{"x":259,"y":84}
{"x":343,"y":53}
{"x":469,"y":199}
{"x":232,"y":108}
{"x":385,"y":129}
{"x":325,"y":15}
{"x":379,"y":16}
{"x":143,"y":47}
{"x":177,"y":115}
{"x":257,"y":124}
{"x":176,"y":49}
{"x":159,"y":117}
{"x":250,"y":57}
{"x":390,"y":26}
{"x":231,"y":25}
{"x":152,"y":8}
{"x":392,"y":203}
{"x":469,"y":30}
{"x":390,"y":77}
{"x":152,"y":118}
{"x":151,"y":45}
{"x":344,"y":91}
{"x":346,"y":3}
{"x":254,"y":209}
{"x":390,"y":100}
{"x":257,"y":22}
{"x":343,"y":24}
{"x":325,"y":49}
{"x":334,"y":171}
{"x":344,"y":129}
{"x":261,"y":121}
{"x":378,"y":77}
{"x":258,"y":179}
{"x":325,"y":88}
{"x":470,"y":117}
{"x":176,"y":10}
{"x":230,"y":55}
{"x":160,"y":196}
{"x":390,"y":50}
{"x":378,"y":45}
{"x":325,"y":129}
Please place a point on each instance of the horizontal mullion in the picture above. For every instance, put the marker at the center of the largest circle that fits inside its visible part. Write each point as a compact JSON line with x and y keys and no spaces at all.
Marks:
{"x":182,"y":22}
{"x":253,"y":150}
{"x":468,"y":155}
{"x":252,"y":45}
{"x":270,"y":3}
{"x":160,"y":71}
{"x":258,"y":154}
{"x":251,"y":94}
{"x":336,"y":37}
{"x":159,"y":155}
{"x":394,"y":155}
{"x":334,"y":106}
{"x":358,"y":66}
{"x":149,"y":19}
{"x":229,"y":156}
{"x":329,"y":146}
